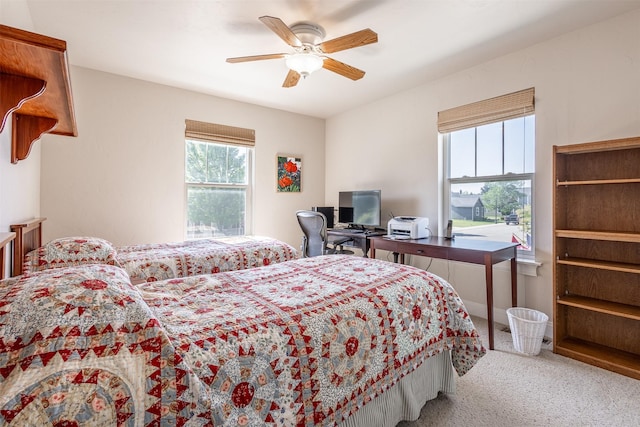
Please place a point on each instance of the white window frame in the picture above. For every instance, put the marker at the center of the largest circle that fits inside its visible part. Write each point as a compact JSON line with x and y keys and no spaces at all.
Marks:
{"x":248,"y":187}
{"x":448,"y":182}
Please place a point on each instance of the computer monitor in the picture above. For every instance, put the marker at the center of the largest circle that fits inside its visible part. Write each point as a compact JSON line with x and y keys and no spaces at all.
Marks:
{"x":360,"y":208}
{"x":328,"y":212}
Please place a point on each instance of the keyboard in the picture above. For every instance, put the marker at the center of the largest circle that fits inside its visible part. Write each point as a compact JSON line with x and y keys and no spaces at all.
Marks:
{"x":349,"y":230}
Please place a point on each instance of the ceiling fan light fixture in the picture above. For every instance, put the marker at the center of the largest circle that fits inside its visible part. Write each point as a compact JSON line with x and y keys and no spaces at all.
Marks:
{"x":309,"y":49}
{"x":304,"y":63}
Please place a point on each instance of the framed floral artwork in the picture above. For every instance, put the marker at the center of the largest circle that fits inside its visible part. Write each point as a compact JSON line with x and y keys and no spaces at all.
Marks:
{"x":289,"y":170}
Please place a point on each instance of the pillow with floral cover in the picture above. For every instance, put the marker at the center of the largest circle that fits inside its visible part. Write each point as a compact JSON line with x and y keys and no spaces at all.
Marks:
{"x":69,"y":252}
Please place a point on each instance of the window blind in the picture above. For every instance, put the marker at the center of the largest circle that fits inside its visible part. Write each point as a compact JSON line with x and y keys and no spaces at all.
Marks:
{"x":500,"y":108}
{"x":220,"y":133}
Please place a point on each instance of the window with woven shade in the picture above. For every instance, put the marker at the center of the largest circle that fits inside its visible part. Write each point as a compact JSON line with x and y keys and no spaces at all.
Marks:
{"x":489,"y":166}
{"x":218,"y":179}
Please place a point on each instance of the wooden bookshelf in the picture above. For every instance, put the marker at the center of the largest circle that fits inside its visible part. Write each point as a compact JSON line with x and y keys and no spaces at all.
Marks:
{"x":597,"y":252}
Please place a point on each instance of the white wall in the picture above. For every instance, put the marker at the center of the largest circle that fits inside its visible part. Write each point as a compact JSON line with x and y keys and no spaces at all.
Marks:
{"x":19,"y":183}
{"x":19,"y":187}
{"x":587,"y":87}
{"x":122,"y":178}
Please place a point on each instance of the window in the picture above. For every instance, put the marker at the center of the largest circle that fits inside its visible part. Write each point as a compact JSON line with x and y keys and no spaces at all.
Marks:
{"x":218,"y":177}
{"x":489,"y":170}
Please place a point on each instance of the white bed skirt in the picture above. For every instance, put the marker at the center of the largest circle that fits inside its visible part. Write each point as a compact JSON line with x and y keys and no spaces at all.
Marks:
{"x":406,"y":398}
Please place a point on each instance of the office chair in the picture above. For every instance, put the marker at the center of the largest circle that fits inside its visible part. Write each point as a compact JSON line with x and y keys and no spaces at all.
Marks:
{"x":315,"y":241}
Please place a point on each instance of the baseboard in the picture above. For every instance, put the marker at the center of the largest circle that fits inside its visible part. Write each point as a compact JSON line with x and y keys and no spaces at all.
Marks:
{"x":500,"y":316}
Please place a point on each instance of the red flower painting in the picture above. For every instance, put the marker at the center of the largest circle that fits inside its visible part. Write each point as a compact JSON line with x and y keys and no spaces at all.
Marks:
{"x":289,"y":171}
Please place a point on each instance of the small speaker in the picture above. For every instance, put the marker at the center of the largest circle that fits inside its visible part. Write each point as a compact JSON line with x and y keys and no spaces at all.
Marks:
{"x":328,"y":212}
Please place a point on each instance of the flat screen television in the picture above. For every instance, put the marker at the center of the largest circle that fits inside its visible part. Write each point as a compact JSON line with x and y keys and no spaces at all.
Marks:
{"x":360,"y":208}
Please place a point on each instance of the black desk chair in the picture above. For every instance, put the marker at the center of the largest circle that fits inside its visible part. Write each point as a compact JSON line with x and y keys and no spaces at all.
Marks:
{"x":315,"y":241}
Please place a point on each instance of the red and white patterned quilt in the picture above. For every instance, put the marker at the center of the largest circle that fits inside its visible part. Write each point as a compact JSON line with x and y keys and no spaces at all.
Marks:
{"x":306,"y":342}
{"x":153,"y":262}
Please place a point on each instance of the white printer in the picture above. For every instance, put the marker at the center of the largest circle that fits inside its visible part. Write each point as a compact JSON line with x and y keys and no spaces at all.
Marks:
{"x":408,"y":227}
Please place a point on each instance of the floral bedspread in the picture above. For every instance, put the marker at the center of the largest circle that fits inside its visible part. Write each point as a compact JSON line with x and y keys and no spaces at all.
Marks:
{"x":153,"y":262}
{"x":305,"y":342}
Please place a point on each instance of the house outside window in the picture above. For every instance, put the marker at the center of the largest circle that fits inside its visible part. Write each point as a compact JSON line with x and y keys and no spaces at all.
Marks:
{"x":218,"y":181}
{"x":489,"y":175}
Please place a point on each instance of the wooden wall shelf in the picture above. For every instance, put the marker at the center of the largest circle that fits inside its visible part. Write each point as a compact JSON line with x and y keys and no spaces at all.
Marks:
{"x":35,"y":87}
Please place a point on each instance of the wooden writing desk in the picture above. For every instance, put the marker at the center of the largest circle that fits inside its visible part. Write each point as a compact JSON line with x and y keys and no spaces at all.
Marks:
{"x":360,"y":240}
{"x":482,"y":252}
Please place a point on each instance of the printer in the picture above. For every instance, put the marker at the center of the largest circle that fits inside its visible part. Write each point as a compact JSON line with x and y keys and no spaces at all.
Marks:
{"x":408,"y":227}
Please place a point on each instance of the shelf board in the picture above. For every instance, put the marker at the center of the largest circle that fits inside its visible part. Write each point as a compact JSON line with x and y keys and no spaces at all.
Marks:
{"x":602,"y":265}
{"x":599,"y":235}
{"x":593,"y":147}
{"x":599,"y":182}
{"x":604,"y":357}
{"x":606,"y":307}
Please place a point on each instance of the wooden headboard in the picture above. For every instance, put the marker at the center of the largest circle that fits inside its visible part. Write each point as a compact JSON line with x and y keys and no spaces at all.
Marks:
{"x":5,"y":238}
{"x":28,"y":237}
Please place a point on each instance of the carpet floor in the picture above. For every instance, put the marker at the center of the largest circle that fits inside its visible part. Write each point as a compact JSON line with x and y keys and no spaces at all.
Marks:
{"x":507,"y":388}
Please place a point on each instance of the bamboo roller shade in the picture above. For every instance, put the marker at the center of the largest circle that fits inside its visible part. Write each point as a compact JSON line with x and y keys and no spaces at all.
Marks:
{"x":220,"y":133}
{"x":500,"y":108}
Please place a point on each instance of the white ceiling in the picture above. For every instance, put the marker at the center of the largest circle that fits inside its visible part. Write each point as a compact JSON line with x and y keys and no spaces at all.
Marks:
{"x":185,"y":43}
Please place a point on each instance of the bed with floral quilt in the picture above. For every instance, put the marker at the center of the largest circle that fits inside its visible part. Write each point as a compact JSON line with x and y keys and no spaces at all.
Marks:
{"x":153,"y":262}
{"x":330,"y":340}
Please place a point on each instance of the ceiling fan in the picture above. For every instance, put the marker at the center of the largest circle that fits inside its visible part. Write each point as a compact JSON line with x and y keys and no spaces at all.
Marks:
{"x":309,"y":49}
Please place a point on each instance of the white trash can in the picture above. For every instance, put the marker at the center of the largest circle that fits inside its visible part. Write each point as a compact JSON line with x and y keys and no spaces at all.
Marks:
{"x":527,"y":329}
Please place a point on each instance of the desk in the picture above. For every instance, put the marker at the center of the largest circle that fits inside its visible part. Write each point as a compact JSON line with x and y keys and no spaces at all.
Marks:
{"x":360,"y":240}
{"x":465,"y":250}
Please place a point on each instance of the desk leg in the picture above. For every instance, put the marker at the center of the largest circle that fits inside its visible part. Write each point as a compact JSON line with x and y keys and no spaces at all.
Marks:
{"x":488,"y":267}
{"x":395,"y":257}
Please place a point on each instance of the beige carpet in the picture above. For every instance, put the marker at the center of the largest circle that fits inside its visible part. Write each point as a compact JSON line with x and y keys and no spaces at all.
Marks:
{"x":506,"y":388}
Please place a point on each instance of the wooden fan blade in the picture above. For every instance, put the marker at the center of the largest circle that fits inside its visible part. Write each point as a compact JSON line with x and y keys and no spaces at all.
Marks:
{"x":359,"y":38}
{"x":280,"y":28}
{"x":256,"y":57}
{"x":291,"y":79}
{"x":343,"y":69}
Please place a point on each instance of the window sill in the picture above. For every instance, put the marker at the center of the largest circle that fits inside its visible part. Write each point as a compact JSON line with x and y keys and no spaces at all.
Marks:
{"x":528,"y":267}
